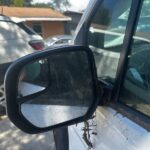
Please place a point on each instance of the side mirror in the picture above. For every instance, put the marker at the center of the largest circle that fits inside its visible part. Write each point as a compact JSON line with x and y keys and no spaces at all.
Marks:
{"x":52,"y":88}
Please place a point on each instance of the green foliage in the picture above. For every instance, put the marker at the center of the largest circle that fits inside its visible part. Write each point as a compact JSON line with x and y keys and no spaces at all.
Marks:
{"x":41,"y":5}
{"x":59,"y":4}
{"x":18,"y":3}
{"x":5,"y":2}
{"x":27,"y":3}
{"x":55,"y":4}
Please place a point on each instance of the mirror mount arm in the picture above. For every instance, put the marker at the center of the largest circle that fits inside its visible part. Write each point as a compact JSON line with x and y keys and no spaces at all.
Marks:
{"x":105,"y":92}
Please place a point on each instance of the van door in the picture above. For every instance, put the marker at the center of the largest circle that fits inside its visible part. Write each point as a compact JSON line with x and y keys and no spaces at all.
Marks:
{"x":122,"y":61}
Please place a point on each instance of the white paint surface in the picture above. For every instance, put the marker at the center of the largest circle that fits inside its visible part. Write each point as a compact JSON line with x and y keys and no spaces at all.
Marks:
{"x":115,"y":132}
{"x":46,"y":19}
{"x":47,"y":115}
{"x":75,"y":140}
{"x":26,"y":89}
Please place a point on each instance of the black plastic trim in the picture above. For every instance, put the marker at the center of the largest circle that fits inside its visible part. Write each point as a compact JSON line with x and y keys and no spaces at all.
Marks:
{"x":89,"y":20}
{"x":11,"y":79}
{"x":127,"y":46}
{"x":61,"y":137}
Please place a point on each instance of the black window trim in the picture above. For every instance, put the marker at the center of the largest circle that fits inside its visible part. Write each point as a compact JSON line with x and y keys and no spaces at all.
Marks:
{"x":90,"y":18}
{"x":127,"y":47}
{"x":127,"y":111}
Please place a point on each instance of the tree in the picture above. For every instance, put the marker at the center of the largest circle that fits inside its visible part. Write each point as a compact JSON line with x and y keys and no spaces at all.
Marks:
{"x":5,"y":2}
{"x":60,"y":5}
{"x":28,"y":3}
{"x":41,"y":5}
{"x":18,"y":3}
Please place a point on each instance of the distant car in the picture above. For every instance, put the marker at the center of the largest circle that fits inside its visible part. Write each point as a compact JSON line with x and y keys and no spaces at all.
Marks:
{"x":16,"y":40}
{"x":58,"y":40}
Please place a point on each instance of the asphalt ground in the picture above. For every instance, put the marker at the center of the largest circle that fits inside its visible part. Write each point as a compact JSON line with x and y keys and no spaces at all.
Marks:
{"x":12,"y":138}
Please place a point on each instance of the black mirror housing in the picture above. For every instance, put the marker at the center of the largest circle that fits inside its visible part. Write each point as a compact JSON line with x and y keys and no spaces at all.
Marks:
{"x":63,"y":79}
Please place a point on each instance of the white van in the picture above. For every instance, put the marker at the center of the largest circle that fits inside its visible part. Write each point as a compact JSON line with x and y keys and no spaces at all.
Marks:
{"x":16,"y":40}
{"x":107,"y":74}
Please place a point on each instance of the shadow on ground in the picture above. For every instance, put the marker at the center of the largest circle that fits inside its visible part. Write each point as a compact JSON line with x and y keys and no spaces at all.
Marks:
{"x":12,"y":138}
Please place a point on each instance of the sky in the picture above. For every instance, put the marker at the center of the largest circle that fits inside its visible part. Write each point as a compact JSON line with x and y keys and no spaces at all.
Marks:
{"x":77,"y":5}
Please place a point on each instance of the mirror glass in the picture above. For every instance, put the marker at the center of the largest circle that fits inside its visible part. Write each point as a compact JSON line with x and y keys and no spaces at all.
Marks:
{"x":59,"y":88}
{"x":33,"y":78}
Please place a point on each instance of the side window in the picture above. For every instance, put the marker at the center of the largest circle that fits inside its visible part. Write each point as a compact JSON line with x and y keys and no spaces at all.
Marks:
{"x":136,"y":88}
{"x":25,"y":28}
{"x":59,"y":41}
{"x":106,"y":34}
{"x":62,"y":41}
{"x":37,"y":27}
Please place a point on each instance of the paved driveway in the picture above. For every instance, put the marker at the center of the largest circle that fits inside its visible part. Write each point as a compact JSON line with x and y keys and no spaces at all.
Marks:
{"x":12,"y":138}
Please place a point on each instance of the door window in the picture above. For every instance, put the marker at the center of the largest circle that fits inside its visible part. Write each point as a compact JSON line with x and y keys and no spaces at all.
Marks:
{"x":106,"y":34}
{"x":136,"y":88}
{"x":37,"y":27}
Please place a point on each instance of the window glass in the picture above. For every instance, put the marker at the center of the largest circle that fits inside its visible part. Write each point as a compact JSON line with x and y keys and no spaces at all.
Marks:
{"x":136,"y":88}
{"x":37,"y":27}
{"x":62,"y":41}
{"x":59,"y":41}
{"x":106,"y":34}
{"x":26,"y":28}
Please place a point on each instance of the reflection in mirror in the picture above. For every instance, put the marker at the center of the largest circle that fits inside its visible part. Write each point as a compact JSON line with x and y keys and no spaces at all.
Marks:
{"x":33,"y":78}
{"x":68,"y":94}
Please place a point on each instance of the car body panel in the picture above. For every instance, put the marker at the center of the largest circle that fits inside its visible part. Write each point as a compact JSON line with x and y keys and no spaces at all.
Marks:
{"x":14,"y":43}
{"x":58,"y":40}
{"x":114,"y":131}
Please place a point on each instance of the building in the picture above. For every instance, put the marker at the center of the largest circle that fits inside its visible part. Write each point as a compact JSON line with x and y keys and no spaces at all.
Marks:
{"x":45,"y":21}
{"x":71,"y":25}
